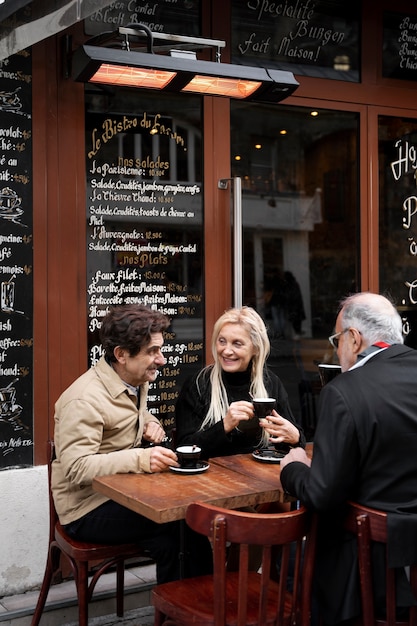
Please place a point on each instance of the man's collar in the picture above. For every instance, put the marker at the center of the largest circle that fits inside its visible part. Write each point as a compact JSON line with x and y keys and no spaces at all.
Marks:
{"x":133,"y":390}
{"x":369,"y":353}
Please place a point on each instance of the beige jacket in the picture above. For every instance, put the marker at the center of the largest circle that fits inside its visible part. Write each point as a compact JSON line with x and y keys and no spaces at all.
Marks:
{"x":98,"y":431}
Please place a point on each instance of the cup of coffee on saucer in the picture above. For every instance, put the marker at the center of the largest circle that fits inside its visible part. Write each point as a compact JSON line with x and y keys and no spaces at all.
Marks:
{"x":328,"y":371}
{"x":263,"y":407}
{"x":188,"y":456}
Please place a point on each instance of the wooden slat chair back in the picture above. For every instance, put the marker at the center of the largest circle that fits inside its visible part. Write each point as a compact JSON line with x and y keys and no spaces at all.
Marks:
{"x":370,"y":525}
{"x":244,"y":598}
{"x":80,"y":554}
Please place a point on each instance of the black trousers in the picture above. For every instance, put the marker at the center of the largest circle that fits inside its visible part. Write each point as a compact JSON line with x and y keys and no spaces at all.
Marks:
{"x":177,"y":550}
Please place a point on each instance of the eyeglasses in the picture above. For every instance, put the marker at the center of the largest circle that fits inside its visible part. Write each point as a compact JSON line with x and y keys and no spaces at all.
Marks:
{"x":334,"y":339}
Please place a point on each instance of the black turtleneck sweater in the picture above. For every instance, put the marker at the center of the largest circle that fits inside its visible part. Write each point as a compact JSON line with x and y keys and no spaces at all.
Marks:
{"x":193,"y":404}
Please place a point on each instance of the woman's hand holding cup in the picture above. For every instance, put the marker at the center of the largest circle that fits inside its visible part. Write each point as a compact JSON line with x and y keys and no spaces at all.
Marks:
{"x":280,"y":430}
{"x":238,"y":412}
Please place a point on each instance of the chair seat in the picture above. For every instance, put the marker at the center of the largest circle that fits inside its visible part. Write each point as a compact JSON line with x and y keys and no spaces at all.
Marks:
{"x":190,"y":602}
{"x":84,"y":551}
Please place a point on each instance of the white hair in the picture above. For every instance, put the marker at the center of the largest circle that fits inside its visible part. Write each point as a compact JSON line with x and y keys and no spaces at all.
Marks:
{"x":374,"y":316}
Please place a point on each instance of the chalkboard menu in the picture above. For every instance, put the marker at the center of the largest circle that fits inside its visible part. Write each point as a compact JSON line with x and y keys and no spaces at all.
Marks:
{"x":180,"y":17}
{"x":318,"y":38}
{"x":16,"y":259}
{"x":144,"y":224}
{"x":399,"y":59}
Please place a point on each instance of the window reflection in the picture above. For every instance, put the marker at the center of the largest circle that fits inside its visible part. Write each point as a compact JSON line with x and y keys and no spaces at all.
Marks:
{"x":299,"y":174}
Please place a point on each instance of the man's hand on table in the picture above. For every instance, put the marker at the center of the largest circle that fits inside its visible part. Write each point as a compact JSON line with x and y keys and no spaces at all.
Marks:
{"x":161,"y":458}
{"x":295,"y":454}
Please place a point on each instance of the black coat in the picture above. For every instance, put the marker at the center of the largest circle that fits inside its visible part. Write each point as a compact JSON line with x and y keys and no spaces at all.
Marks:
{"x":365,"y":449}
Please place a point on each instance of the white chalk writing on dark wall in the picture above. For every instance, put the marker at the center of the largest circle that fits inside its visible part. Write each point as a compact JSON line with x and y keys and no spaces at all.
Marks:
{"x":310,"y":37}
{"x":399,"y":46}
{"x":16,"y":259}
{"x":405,"y":165}
{"x":173,"y":16}
{"x":144,"y":238}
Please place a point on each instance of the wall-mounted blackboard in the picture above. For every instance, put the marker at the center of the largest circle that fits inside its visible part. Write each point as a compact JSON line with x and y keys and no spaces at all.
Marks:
{"x":180,"y":17}
{"x":399,"y":57}
{"x":318,"y":38}
{"x":145,"y":223}
{"x":16,"y":260}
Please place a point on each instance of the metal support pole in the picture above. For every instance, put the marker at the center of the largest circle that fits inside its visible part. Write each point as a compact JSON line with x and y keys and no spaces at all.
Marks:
{"x":237,"y":238}
{"x":237,"y":241}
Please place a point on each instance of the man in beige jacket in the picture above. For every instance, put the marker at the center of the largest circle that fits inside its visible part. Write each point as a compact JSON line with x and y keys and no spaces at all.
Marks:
{"x":101,"y":426}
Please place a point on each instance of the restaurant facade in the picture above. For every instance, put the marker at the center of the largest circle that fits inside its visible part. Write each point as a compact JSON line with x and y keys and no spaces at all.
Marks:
{"x":192,"y":203}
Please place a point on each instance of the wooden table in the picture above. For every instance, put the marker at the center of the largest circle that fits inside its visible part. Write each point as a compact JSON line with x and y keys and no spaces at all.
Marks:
{"x":165,"y":496}
{"x":245,"y":464}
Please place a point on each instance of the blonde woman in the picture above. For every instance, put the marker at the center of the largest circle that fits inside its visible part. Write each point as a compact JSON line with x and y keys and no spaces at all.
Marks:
{"x":214,"y":409}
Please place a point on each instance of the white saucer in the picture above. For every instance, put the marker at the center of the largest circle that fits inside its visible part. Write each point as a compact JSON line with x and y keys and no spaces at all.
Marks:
{"x":268,"y":456}
{"x":201,"y":466}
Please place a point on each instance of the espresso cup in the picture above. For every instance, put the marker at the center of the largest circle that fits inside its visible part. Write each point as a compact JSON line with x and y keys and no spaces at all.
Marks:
{"x":327,"y":372}
{"x":188,"y":456}
{"x":263,"y":406}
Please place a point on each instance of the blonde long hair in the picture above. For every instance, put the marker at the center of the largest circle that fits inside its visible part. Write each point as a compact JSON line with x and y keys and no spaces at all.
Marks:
{"x":252,"y":322}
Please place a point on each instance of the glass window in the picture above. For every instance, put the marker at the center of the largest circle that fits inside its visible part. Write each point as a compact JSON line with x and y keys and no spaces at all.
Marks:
{"x":319,"y":39}
{"x":399,"y":46}
{"x":397,"y":224}
{"x":299,"y":171}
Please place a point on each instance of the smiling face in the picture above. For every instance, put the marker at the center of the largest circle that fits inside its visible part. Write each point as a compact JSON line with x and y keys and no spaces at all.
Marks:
{"x":143,"y":367}
{"x":234,"y":348}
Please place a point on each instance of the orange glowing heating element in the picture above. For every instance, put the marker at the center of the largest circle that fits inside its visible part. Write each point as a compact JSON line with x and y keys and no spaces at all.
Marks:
{"x":231,"y":87}
{"x":132,"y":76}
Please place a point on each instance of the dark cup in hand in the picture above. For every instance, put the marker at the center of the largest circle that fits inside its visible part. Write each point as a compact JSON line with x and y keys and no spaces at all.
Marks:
{"x":327,"y":372}
{"x":188,"y":456}
{"x":263,"y":406}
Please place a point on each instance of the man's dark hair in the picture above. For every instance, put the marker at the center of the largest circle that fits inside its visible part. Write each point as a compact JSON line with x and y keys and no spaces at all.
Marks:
{"x":130,"y":326}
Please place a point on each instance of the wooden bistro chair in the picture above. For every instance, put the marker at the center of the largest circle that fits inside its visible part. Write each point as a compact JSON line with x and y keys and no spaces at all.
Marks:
{"x":244,"y":598}
{"x":79,"y":554}
{"x":370,"y":525}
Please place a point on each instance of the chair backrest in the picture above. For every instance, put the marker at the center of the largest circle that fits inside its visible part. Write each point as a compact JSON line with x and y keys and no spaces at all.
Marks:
{"x":369,"y":526}
{"x":294,"y":531}
{"x":53,"y":516}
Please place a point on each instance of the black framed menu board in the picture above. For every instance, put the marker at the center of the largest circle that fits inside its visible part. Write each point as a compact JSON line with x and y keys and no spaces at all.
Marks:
{"x":180,"y":17}
{"x":145,"y":223}
{"x":399,"y":57}
{"x":313,"y":38}
{"x":16,"y":260}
